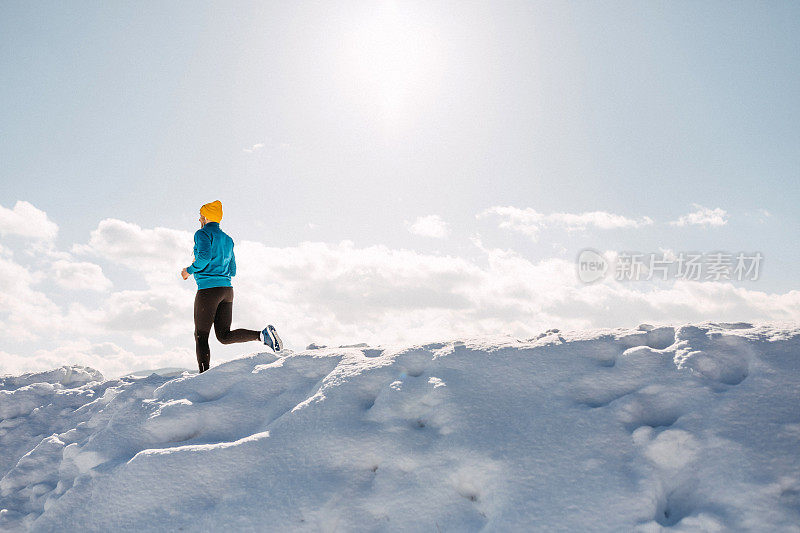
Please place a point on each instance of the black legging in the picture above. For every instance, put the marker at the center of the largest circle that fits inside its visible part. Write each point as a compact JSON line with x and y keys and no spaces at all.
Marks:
{"x":215,"y":306}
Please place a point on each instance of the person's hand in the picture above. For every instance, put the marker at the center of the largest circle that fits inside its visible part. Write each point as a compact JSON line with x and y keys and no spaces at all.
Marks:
{"x":185,"y":274}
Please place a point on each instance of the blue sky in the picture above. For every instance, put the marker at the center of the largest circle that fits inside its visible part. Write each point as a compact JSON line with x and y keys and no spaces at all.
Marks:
{"x":347,"y":121}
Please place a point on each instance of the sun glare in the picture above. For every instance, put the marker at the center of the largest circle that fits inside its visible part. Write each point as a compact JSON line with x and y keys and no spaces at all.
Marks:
{"x":391,"y":58}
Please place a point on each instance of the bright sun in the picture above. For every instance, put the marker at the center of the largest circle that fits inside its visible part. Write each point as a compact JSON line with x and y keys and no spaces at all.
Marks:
{"x":391,"y":61}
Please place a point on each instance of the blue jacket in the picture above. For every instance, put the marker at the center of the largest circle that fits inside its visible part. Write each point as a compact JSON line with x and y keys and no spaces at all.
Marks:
{"x":214,"y":262}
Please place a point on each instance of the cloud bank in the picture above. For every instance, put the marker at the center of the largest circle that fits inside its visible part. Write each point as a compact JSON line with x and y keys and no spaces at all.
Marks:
{"x":64,"y":307}
{"x":530,"y":222}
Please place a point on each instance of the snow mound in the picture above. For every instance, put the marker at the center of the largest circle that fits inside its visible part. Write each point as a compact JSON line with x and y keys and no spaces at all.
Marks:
{"x":690,"y":428}
{"x":65,"y":376}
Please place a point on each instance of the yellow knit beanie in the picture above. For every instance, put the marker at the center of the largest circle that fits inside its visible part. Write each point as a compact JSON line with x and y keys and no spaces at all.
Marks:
{"x":212,"y":211}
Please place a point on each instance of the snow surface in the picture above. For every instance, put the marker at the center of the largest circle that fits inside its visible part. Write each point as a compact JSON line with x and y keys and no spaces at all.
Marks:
{"x":689,"y":428}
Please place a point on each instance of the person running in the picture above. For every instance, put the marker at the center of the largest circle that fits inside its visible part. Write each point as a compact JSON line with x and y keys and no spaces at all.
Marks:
{"x":214,"y":265}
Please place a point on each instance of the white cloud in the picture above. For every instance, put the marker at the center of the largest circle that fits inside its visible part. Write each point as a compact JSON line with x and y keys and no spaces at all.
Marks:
{"x":599,"y":219}
{"x":156,"y":253}
{"x":526,"y":221}
{"x":147,"y":342}
{"x":530,"y":222}
{"x":156,"y":313}
{"x":342,"y":294}
{"x":429,"y":226}
{"x":27,"y":221}
{"x":255,"y":148}
{"x":25,"y":313}
{"x":703,"y":216}
{"x":78,"y":275}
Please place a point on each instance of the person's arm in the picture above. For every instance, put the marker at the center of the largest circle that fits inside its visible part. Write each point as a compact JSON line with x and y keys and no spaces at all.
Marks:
{"x":203,"y":255}
{"x":233,"y":263}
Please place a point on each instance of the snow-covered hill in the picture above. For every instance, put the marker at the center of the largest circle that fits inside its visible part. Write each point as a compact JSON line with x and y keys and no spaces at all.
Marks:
{"x":689,"y":428}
